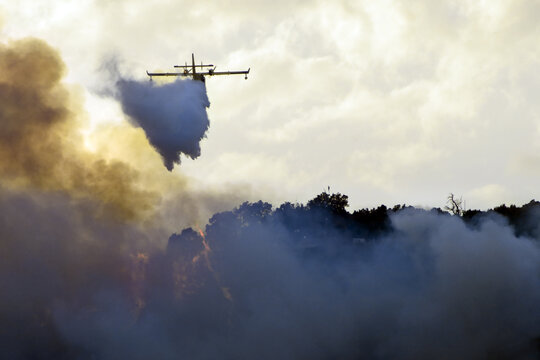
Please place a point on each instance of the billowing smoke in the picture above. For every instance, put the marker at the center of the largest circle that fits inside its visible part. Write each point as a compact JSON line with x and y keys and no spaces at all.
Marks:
{"x":39,"y":141}
{"x":82,"y":278}
{"x":309,"y":283}
{"x":292,"y":283}
{"x":173,"y":116}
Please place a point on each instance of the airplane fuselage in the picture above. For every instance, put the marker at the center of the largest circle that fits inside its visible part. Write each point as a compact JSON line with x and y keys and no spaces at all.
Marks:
{"x":196,"y":76}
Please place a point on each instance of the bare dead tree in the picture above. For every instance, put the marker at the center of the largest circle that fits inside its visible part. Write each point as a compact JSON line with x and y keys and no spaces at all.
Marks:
{"x":454,"y":205}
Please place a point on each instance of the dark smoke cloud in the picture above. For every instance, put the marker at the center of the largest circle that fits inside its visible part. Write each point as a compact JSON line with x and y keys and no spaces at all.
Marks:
{"x":56,"y":254}
{"x":173,"y":116}
{"x":285,"y":283}
{"x":39,"y":142}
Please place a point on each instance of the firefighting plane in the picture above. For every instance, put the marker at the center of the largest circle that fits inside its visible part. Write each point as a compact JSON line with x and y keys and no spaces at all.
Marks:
{"x":191,"y":70}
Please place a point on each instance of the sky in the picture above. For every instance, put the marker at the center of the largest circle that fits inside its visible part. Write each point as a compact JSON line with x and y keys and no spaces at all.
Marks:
{"x":389,"y":102}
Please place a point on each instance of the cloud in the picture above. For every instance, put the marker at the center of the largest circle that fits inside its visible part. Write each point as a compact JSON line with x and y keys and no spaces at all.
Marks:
{"x":453,"y":76}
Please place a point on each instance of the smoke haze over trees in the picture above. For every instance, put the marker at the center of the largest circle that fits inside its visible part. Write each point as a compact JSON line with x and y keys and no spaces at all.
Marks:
{"x":292,"y":282}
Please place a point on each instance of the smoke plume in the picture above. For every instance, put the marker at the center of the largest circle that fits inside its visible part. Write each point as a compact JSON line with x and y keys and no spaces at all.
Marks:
{"x":39,"y":141}
{"x":173,"y":116}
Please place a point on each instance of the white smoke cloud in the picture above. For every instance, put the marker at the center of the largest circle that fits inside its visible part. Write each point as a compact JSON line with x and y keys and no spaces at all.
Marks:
{"x":173,"y":116}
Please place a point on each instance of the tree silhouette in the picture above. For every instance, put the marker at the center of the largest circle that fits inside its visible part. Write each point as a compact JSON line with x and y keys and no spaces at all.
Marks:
{"x":454,"y":205}
{"x":336,"y":203}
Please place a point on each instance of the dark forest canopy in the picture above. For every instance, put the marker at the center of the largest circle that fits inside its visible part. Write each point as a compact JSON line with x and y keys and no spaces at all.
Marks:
{"x":329,"y":211}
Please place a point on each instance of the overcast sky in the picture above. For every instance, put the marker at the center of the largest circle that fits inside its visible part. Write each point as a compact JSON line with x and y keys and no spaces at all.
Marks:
{"x":386,"y":101}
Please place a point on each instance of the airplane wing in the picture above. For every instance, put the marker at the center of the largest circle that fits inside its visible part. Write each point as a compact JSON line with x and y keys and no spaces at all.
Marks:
{"x":167,"y":74}
{"x":212,"y":72}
